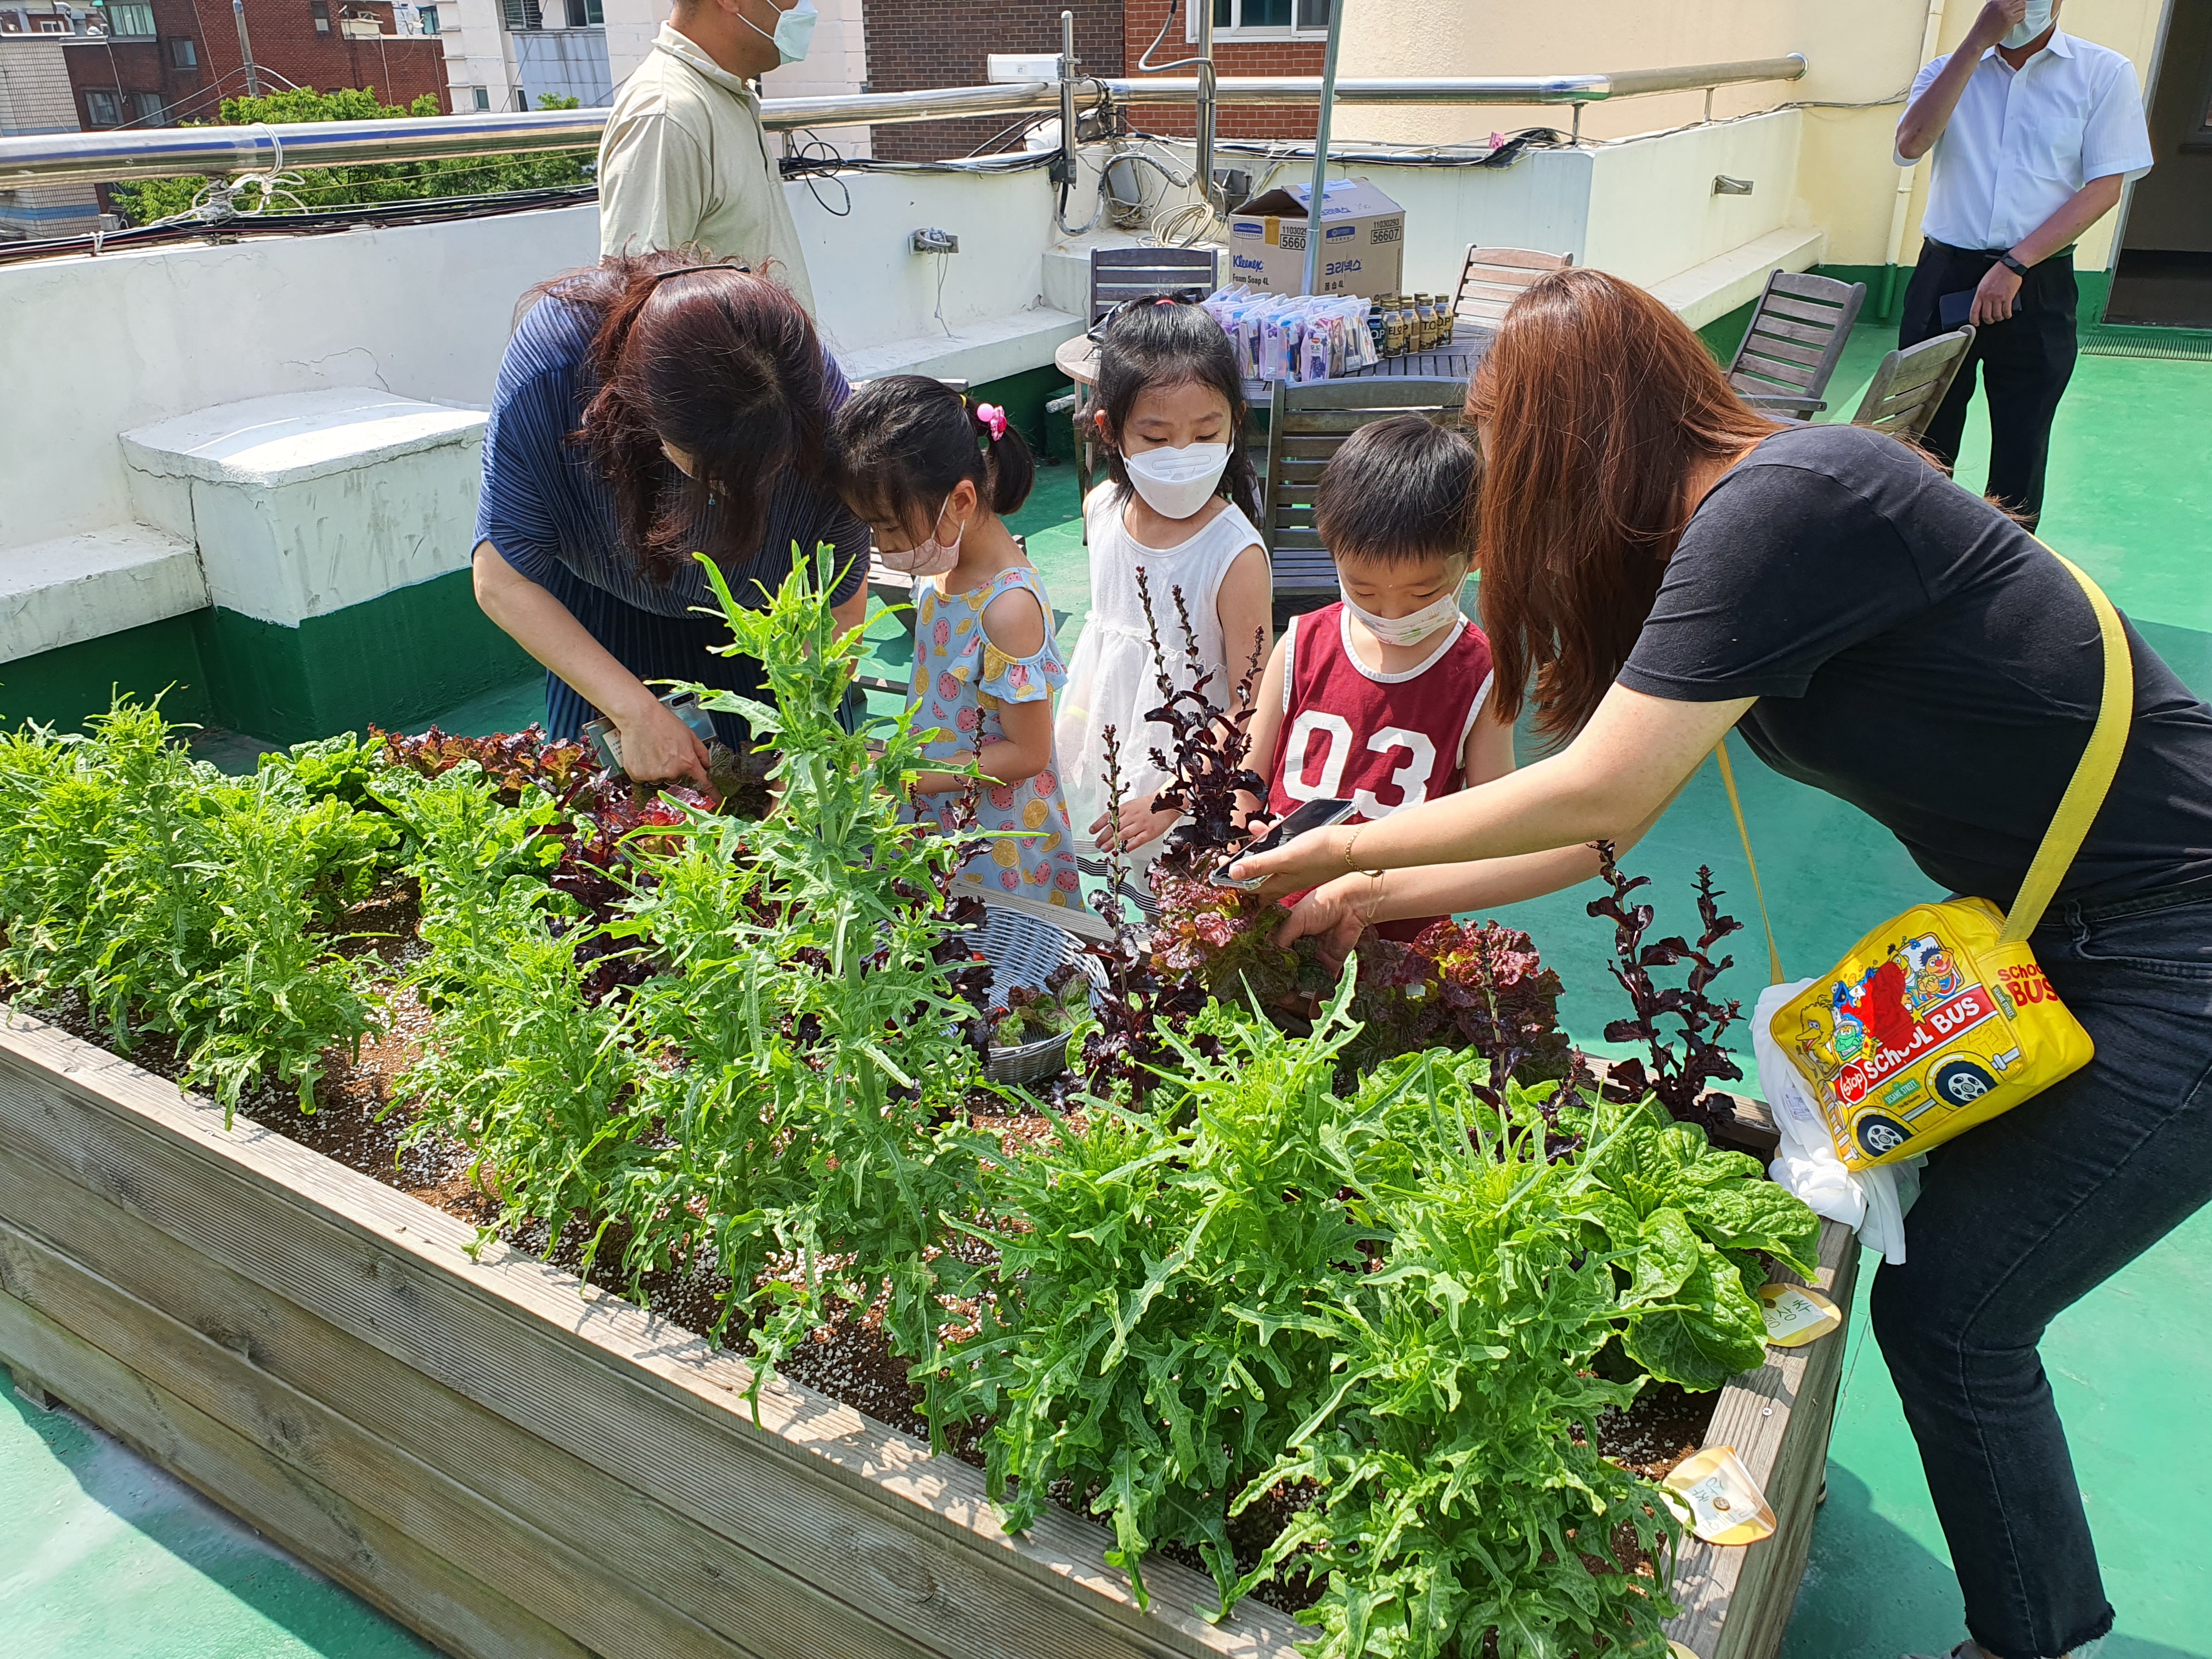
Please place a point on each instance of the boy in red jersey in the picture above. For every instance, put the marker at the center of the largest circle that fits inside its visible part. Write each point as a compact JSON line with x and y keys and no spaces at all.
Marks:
{"x":1380,"y":698}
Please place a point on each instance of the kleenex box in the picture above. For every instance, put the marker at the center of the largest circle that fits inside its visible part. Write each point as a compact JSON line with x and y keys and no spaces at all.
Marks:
{"x":1362,"y":240}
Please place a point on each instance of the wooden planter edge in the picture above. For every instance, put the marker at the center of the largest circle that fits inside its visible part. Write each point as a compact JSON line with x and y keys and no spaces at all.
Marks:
{"x":819,"y":1531}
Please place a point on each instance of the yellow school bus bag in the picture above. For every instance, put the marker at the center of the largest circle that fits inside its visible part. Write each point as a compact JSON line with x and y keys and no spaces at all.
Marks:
{"x":1940,"y":1019}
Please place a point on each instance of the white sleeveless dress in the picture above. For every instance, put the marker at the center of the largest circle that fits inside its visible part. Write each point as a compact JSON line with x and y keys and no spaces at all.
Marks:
{"x":1113,"y":681}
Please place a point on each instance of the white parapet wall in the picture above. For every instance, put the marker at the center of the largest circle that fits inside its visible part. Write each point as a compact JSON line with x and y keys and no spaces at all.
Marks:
{"x":219,"y":401}
{"x":1641,"y":208}
{"x":230,"y":431}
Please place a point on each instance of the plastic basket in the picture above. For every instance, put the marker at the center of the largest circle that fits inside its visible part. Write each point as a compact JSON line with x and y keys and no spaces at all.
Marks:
{"x":1022,"y":951}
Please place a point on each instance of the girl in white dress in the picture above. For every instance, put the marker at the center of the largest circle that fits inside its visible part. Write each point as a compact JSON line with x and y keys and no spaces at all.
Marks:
{"x":1179,"y":505}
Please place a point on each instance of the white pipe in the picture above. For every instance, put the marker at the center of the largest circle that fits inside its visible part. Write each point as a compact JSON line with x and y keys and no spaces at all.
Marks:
{"x":1902,"y":208}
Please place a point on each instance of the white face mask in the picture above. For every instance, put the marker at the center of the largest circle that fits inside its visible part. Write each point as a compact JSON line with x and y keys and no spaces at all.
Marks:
{"x":1177,"y":482}
{"x":2037,"y":21}
{"x":929,"y":558}
{"x":794,"y":31}
{"x":1408,"y":630}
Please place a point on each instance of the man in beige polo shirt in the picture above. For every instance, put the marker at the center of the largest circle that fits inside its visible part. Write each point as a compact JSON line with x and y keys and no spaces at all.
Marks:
{"x":683,"y":159}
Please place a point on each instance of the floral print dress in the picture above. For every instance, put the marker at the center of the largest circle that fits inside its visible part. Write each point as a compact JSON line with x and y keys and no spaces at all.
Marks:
{"x":961,"y":680}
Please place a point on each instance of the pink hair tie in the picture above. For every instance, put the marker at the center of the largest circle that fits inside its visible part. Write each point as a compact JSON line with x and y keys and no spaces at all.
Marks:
{"x":993,"y":419}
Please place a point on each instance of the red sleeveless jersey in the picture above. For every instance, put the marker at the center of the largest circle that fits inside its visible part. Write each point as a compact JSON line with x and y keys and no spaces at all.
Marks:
{"x":1382,"y":741}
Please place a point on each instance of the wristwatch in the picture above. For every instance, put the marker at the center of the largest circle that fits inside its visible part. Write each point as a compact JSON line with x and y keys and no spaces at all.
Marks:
{"x":2012,"y":264}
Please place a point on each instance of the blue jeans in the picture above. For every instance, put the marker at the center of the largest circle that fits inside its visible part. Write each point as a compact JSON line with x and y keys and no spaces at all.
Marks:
{"x":2024,"y":1216}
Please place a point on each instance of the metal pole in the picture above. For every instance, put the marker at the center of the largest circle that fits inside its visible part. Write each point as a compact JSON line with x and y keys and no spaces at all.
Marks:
{"x":1321,"y":146}
{"x":1206,"y":105}
{"x":1068,"y":92}
{"x":245,"y":48}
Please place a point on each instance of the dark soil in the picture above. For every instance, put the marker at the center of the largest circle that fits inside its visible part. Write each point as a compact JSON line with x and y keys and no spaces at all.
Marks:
{"x":356,"y":1123}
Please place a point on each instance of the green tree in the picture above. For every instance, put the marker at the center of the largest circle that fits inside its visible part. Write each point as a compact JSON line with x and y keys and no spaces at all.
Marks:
{"x":329,"y":187}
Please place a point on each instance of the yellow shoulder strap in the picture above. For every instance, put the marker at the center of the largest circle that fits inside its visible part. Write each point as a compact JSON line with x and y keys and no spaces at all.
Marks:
{"x":2092,"y":777}
{"x":1735,"y":805}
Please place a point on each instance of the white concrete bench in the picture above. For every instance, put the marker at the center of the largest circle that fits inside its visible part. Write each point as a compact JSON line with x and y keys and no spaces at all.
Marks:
{"x":312,"y":501}
{"x":82,"y":587}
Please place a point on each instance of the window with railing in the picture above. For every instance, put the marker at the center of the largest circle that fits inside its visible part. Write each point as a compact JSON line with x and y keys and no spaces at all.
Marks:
{"x":1276,"y":20}
{"x":522,"y":15}
{"x":183,"y":53}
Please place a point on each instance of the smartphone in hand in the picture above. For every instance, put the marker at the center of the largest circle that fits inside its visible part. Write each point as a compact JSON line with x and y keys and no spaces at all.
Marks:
{"x":1314,"y":815}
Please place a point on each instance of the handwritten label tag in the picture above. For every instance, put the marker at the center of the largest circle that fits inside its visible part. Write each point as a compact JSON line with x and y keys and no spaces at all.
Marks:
{"x":1796,"y":1316}
{"x":1724,"y":1503}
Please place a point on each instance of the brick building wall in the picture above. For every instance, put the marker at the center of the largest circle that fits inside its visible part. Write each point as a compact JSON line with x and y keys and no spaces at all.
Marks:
{"x":1141,"y":22}
{"x":287,"y":42}
{"x":913,"y":43}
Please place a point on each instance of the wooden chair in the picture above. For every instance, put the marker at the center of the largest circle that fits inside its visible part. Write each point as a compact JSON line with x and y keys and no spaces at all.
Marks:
{"x":1130,"y":273}
{"x":1797,"y":333}
{"x":1909,"y":386}
{"x":1493,"y":278}
{"x":1120,"y":274}
{"x":1305,"y":425}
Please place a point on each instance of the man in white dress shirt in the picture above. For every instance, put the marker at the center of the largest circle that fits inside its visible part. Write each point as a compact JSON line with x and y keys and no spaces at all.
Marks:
{"x":2035,"y":133}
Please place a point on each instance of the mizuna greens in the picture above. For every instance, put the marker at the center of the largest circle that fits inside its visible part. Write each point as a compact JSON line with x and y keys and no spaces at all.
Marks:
{"x":178,"y":902}
{"x":783,"y":1083}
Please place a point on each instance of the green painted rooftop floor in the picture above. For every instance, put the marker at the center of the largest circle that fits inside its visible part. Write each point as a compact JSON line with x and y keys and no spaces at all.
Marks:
{"x":101,"y":1557}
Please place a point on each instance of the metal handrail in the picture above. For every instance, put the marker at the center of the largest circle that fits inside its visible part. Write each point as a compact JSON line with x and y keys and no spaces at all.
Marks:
{"x":165,"y":152}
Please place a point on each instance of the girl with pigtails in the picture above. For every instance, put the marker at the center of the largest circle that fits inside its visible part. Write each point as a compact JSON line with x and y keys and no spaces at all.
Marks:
{"x":933,"y":477}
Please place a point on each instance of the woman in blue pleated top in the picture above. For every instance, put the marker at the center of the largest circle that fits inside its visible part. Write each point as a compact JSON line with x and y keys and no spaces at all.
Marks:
{"x":647,"y":409}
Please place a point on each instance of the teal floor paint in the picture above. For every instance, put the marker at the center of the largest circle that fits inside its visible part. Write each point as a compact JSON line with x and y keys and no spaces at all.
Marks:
{"x":102,"y":1556}
{"x":99,"y":1555}
{"x":2125,"y":1364}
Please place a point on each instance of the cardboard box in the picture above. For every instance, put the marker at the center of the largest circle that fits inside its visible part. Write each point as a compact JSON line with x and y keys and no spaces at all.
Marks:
{"x":1362,"y":240}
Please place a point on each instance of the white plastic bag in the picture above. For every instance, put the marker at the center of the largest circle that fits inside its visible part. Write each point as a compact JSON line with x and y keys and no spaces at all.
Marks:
{"x":1873,"y":1201}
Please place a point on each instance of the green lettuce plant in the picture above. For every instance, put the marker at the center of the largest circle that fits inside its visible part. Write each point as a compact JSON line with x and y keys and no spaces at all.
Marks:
{"x":1165,"y":1307}
{"x":1459,"y":1508}
{"x":176,"y":901}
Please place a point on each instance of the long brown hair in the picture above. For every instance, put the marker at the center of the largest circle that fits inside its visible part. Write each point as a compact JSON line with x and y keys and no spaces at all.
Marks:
{"x":719,"y":361}
{"x":1596,"y":403}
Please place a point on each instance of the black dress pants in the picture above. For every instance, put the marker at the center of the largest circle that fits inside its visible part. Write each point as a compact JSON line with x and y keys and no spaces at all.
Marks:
{"x":2025,"y":363}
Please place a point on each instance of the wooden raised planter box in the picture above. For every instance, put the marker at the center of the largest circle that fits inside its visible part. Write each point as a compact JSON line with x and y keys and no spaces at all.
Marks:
{"x":511,"y":1467}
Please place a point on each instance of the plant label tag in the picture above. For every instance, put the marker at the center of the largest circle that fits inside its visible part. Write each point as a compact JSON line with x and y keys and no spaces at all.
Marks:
{"x":1680,"y":1651}
{"x":1796,"y":1316}
{"x":1724,"y":1503}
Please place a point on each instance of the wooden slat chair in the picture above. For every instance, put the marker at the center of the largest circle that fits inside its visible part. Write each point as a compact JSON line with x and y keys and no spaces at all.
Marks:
{"x":1120,"y":274}
{"x":1797,"y":333}
{"x":1492,"y":278}
{"x":1909,"y":386}
{"x":1130,"y":273}
{"x":1305,"y":425}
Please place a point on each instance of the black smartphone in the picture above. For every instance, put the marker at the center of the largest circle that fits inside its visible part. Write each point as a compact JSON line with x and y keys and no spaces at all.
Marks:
{"x":1952,"y":309}
{"x":1314,"y":815}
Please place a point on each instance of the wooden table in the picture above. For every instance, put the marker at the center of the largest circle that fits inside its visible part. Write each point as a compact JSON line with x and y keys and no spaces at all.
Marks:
{"x":1470,"y":343}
